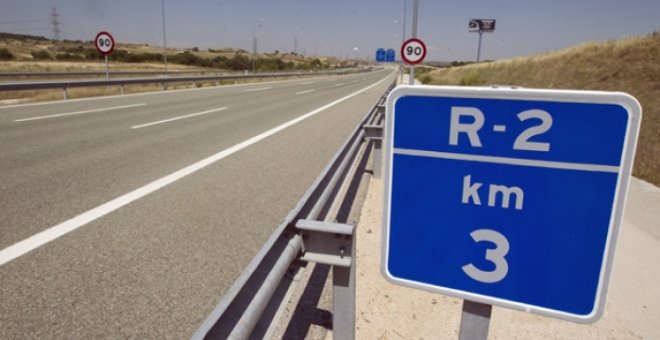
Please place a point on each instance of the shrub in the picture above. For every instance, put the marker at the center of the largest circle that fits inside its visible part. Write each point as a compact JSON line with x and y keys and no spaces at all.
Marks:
{"x":239,"y":62}
{"x":118,"y":55}
{"x":187,"y":58}
{"x":426,"y":79}
{"x":5,"y":54}
{"x":23,"y":37}
{"x":68,"y":56}
{"x":471,"y":79}
{"x":41,"y":55}
{"x":92,"y":54}
{"x":271,"y":64}
{"x":220,"y":62}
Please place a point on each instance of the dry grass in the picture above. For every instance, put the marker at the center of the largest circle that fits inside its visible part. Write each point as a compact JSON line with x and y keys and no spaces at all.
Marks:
{"x":630,"y":65}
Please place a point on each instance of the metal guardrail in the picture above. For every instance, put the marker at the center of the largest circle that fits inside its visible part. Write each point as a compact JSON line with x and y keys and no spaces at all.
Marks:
{"x":314,"y":232}
{"x":121,"y":82}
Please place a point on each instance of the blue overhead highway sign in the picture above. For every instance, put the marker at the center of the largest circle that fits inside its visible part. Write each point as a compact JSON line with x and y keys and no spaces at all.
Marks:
{"x":510,"y":197}
{"x":380,"y":55}
{"x":390,"y":55}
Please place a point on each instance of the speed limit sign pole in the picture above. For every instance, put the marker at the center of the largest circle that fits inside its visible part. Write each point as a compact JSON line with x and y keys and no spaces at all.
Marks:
{"x":413,"y":50}
{"x":105,"y":44}
{"x":107,"y":67}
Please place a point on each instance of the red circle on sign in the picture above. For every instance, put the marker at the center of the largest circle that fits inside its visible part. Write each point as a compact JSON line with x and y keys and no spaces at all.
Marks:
{"x":104,"y":43}
{"x":416,"y":56}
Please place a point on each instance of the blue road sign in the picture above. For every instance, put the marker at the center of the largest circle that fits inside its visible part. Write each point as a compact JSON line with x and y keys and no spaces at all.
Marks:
{"x":511,"y":197}
{"x":390,"y":55}
{"x":380,"y":55}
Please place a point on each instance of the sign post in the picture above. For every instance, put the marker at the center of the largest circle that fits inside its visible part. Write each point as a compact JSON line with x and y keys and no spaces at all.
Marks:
{"x":481,"y":26}
{"x":508,"y":197}
{"x":413,"y":52}
{"x":105,"y":44}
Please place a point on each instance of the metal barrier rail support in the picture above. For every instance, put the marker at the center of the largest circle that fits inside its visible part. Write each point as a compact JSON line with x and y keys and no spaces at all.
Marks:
{"x":308,"y":233}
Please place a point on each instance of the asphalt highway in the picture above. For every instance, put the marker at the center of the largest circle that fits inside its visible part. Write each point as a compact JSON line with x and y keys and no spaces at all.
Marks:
{"x":129,"y":216}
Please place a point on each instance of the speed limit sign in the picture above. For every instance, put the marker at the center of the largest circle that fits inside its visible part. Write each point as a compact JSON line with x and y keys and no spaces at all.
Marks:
{"x":413,"y":51}
{"x":104,"y":43}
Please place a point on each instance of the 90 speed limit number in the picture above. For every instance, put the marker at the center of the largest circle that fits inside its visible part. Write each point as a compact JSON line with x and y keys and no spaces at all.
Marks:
{"x":413,"y":51}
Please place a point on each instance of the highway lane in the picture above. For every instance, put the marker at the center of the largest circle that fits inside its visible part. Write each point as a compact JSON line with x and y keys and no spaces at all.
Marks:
{"x":49,"y":160}
{"x":154,"y":268}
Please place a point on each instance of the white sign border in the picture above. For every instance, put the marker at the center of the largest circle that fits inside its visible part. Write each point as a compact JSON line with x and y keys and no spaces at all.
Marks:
{"x":625,"y":100}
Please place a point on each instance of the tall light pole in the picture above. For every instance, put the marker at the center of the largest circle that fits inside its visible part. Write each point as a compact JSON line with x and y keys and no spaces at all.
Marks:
{"x":295,"y":44}
{"x":295,"y":40}
{"x":254,"y":43}
{"x":164,"y":37}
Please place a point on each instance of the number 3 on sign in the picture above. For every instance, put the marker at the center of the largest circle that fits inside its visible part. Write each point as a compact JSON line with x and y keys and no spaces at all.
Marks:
{"x":493,"y":255}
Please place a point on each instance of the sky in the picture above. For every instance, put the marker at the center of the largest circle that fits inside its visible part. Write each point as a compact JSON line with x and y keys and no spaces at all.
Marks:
{"x":341,"y":28}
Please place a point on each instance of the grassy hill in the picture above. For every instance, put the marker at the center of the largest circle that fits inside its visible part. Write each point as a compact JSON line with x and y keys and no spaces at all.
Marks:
{"x":630,"y":65}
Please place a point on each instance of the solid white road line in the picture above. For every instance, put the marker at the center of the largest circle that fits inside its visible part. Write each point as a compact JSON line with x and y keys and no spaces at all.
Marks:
{"x":80,"y":112}
{"x":178,"y":118}
{"x":339,"y":84}
{"x":306,"y":91}
{"x":35,"y":241}
{"x":258,"y":89}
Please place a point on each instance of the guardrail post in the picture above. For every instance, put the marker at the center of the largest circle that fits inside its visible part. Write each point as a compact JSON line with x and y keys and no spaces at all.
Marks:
{"x":121,"y":89}
{"x":64,"y":93}
{"x":343,"y":301}
{"x":375,"y":134}
{"x":378,"y":158}
{"x":333,"y":244}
